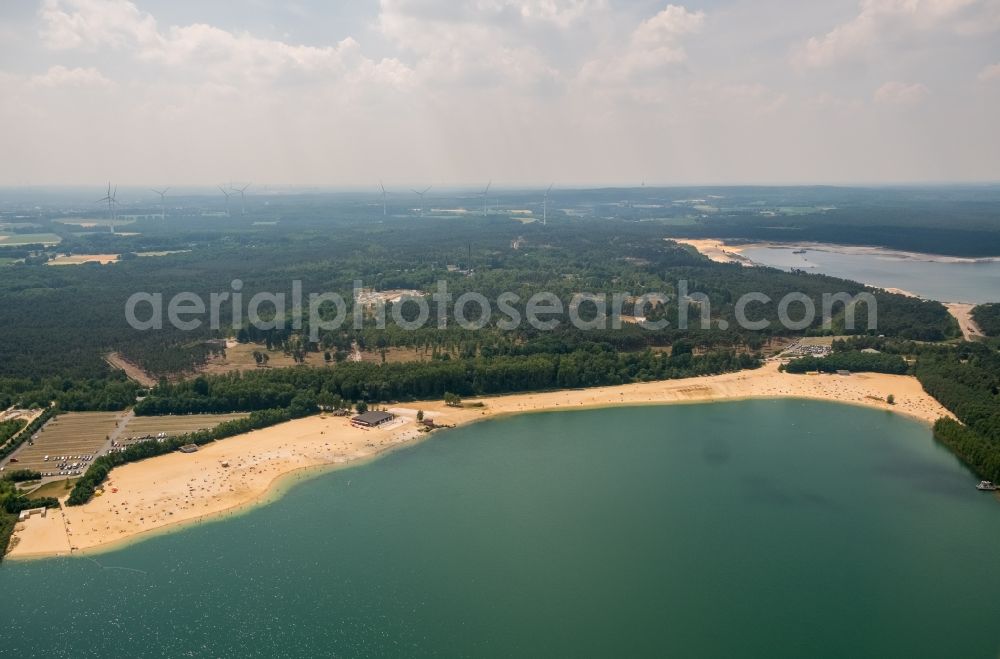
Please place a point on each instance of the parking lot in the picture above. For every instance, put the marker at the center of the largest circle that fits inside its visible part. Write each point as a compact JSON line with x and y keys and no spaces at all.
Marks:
{"x":174,"y":425}
{"x":70,"y":441}
{"x":73,"y":440}
{"x":146,"y":428}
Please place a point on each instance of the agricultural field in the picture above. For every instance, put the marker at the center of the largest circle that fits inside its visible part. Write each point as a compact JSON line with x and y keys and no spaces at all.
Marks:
{"x":15,"y":239}
{"x":91,"y":223}
{"x":77,"y":259}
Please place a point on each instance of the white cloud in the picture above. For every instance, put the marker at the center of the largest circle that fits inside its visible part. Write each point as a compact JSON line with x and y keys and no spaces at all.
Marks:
{"x":901,"y":93}
{"x":991,"y":72}
{"x":828,"y":101}
{"x":202,"y":50}
{"x":752,"y":99}
{"x":880,"y":21}
{"x":654,"y":46}
{"x":578,"y":90}
{"x":559,"y":12}
{"x":61,"y":76}
{"x":93,"y":24}
{"x":477,"y":43}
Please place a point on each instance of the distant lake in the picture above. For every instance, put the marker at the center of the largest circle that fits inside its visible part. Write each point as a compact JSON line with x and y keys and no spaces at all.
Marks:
{"x":748,"y":529}
{"x":932,"y":277}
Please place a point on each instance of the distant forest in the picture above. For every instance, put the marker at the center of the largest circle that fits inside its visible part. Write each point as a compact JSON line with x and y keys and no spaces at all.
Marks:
{"x":953,"y":221}
{"x":60,"y":322}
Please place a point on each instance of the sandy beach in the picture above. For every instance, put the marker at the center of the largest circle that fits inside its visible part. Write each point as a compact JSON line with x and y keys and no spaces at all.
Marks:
{"x":716,"y":250}
{"x":231,"y":475}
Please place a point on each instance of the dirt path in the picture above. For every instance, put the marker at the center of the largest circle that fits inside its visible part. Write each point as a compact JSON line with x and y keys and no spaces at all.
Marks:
{"x":134,"y":373}
{"x":962,"y":312}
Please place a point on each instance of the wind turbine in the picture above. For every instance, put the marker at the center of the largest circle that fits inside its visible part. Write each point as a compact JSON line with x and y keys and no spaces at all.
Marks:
{"x":485,"y":200}
{"x":228,"y":194}
{"x":163,"y":201}
{"x":421,"y":195}
{"x":243,"y":196}
{"x":384,"y":193}
{"x":545,"y":206}
{"x":111,"y":200}
{"x":114,"y":204}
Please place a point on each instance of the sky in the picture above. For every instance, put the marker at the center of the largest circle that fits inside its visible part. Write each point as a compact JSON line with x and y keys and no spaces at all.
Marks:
{"x":520,"y":92}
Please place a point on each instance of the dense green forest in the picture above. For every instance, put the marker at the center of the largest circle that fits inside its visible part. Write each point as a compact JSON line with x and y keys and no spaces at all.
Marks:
{"x":966,"y":380}
{"x":10,"y":428}
{"x":959,"y":221}
{"x":30,"y":430}
{"x":361,"y":381}
{"x":987,"y":316}
{"x":855,"y":361}
{"x":60,"y":322}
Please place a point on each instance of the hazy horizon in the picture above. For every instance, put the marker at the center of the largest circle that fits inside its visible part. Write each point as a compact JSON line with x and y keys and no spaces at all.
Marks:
{"x":586,"y":93}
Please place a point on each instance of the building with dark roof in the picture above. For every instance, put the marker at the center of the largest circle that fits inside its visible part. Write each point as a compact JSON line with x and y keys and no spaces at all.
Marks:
{"x":372,"y":419}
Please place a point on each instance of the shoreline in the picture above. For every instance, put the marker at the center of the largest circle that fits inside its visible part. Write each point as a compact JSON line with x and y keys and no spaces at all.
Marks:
{"x":718,"y":249}
{"x":961,"y":311}
{"x":171,"y":492}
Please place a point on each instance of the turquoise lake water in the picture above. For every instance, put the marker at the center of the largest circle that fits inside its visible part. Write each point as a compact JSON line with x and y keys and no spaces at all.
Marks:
{"x":946,"y":281}
{"x":747,"y":529}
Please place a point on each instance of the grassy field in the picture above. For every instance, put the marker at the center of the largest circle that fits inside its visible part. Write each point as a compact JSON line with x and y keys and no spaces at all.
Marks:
{"x":397,"y":355}
{"x":11,"y":226}
{"x":55,"y":489}
{"x":239,"y":357}
{"x":90,"y":222}
{"x":15,"y":239}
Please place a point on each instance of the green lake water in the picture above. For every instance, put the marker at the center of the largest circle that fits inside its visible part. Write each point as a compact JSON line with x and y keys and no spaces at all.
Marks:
{"x":748,"y":529}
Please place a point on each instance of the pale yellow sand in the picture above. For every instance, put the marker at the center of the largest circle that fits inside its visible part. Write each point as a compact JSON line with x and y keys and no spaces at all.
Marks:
{"x":49,"y":532}
{"x":77,"y":259}
{"x":171,"y":489}
{"x":716,"y":250}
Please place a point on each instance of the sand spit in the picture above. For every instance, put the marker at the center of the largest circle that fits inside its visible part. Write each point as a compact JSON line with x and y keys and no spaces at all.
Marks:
{"x":717,"y":250}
